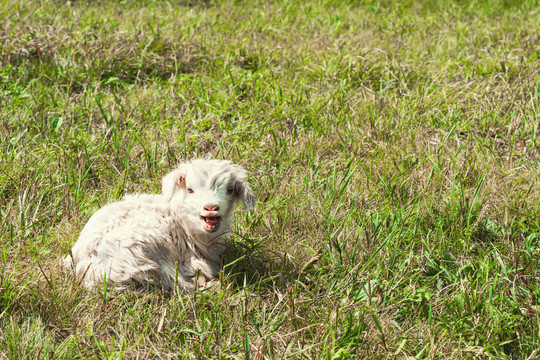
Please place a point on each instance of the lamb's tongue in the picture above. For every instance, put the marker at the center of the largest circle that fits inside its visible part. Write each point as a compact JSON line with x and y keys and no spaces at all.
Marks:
{"x":211,"y":220}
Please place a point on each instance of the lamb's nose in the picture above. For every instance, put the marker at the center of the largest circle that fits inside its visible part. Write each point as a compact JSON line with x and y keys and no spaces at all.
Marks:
{"x":211,"y":207}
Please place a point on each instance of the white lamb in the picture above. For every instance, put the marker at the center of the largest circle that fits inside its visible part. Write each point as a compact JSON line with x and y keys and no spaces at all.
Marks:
{"x":162,"y":240}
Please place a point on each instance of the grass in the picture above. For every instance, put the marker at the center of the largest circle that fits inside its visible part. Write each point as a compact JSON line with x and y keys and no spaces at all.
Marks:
{"x":393,"y":146}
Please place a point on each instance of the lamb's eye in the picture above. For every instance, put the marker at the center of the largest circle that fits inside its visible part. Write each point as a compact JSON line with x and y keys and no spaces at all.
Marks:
{"x":190,"y":190}
{"x":230,"y":190}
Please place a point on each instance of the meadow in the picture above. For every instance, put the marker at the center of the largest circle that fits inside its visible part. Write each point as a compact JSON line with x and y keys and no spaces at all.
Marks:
{"x":394,"y":148}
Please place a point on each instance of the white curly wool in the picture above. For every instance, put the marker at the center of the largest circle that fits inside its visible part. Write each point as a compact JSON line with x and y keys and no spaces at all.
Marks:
{"x":162,"y":240}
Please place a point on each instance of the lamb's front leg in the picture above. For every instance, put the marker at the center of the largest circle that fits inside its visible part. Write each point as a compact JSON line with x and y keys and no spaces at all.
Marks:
{"x":205,"y":273}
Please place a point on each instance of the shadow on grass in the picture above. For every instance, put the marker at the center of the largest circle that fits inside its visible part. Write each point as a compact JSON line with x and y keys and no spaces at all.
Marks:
{"x":247,"y":262}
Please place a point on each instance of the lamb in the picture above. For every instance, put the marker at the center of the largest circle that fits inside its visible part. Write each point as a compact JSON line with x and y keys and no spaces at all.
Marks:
{"x":163,"y":240}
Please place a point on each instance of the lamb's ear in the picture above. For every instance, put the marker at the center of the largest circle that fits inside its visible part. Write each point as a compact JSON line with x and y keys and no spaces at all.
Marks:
{"x":173,"y":181}
{"x":243,"y":191}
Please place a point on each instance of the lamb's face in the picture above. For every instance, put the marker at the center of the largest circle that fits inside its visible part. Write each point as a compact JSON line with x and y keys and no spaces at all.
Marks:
{"x":208,"y":190}
{"x":209,"y":197}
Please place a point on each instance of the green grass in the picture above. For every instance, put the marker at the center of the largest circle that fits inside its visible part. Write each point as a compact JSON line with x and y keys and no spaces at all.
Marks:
{"x":394,"y":148}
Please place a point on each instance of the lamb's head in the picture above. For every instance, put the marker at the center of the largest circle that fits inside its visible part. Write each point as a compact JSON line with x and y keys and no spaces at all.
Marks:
{"x":208,"y":191}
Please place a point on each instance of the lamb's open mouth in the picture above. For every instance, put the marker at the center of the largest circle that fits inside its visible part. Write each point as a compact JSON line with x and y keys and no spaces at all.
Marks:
{"x":211,"y":223}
